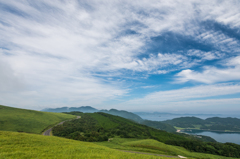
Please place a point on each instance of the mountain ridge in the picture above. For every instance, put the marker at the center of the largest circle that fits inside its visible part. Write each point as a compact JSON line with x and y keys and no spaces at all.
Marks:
{"x":122,"y":113}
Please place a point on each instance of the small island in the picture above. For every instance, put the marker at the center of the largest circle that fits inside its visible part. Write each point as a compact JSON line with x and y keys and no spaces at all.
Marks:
{"x":211,"y":124}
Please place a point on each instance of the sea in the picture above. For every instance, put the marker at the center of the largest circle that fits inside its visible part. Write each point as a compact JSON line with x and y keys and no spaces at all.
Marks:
{"x":165,"y":116}
{"x":222,"y":137}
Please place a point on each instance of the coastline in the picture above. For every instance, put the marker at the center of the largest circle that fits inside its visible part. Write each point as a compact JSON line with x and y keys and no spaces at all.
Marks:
{"x":223,"y":131}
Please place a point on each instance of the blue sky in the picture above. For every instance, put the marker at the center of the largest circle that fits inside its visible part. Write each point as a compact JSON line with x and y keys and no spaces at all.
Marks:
{"x":164,"y":55}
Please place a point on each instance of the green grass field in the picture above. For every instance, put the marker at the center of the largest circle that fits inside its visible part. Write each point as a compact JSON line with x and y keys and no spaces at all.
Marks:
{"x":153,"y":146}
{"x":26,"y":146}
{"x":30,"y":121}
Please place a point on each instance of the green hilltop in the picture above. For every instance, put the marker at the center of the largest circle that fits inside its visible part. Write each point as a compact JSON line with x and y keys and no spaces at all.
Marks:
{"x":26,"y":146}
{"x":30,"y":121}
{"x":122,"y":113}
{"x":110,"y":136}
{"x":100,"y":127}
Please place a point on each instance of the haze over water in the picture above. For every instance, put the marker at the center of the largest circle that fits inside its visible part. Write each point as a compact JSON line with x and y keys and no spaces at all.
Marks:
{"x":162,"y":117}
{"x":218,"y":136}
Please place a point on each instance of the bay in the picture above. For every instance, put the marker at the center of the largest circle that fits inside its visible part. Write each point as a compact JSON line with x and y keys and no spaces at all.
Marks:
{"x":163,"y":117}
{"x":223,"y":137}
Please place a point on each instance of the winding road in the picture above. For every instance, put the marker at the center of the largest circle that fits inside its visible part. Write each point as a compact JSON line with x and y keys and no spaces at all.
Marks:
{"x":150,"y":154}
{"x":48,"y":131}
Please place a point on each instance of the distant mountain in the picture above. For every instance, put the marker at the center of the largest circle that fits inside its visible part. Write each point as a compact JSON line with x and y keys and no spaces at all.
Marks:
{"x":159,"y":125}
{"x":122,"y":113}
{"x":180,"y":114}
{"x":154,"y":113}
{"x":100,"y":126}
{"x":214,"y":123}
{"x":186,"y":122}
{"x":84,"y":109}
{"x":89,"y":109}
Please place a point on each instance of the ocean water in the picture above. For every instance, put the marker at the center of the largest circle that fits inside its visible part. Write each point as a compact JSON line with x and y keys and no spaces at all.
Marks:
{"x":162,"y":117}
{"x":222,"y":137}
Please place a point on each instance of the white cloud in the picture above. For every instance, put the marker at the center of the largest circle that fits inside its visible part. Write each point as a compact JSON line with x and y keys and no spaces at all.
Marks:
{"x":191,"y":97}
{"x":205,"y":55}
{"x":55,"y":48}
{"x":212,"y":74}
{"x":10,"y":81}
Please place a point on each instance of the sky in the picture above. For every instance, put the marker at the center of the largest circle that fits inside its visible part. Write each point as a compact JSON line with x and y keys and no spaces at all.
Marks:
{"x":147,"y":55}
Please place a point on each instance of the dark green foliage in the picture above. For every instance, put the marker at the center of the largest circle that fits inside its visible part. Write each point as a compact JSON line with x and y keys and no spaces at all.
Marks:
{"x":159,"y":125}
{"x":95,"y":127}
{"x":215,"y":123}
{"x":131,"y":116}
{"x":124,"y":114}
{"x":101,"y":126}
{"x":232,"y":124}
{"x":197,"y":137}
{"x":84,"y":129}
{"x":186,"y":122}
{"x":227,"y":149}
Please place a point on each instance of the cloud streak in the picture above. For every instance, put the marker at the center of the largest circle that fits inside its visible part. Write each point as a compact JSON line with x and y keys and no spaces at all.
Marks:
{"x":212,"y":74}
{"x":63,"y":52}
{"x":190,"y":97}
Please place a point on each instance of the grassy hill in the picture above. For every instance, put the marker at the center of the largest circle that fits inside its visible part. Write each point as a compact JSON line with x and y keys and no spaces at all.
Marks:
{"x":26,"y":146}
{"x":134,"y":117}
{"x":30,"y":121}
{"x":122,"y":113}
{"x":98,"y":127}
{"x":101,"y":126}
{"x":153,"y":146}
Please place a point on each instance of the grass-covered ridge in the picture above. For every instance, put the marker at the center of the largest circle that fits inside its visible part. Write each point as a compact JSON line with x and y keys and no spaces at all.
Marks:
{"x":27,"y":146}
{"x":101,"y":126}
{"x":98,"y":127}
{"x":153,"y":146}
{"x":30,"y":121}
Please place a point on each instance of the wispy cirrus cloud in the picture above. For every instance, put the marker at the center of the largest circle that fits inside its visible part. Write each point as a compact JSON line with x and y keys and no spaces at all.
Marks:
{"x":196,"y":97}
{"x":211,"y":74}
{"x":63,"y":52}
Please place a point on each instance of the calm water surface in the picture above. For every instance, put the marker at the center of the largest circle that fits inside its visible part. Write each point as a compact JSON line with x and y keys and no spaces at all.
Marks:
{"x":172,"y":116}
{"x":218,"y":136}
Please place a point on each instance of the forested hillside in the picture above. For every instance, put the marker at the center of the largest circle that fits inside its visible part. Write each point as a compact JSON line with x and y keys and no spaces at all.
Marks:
{"x":95,"y":127}
{"x":122,"y":113}
{"x":215,"y":123}
{"x":101,"y":126}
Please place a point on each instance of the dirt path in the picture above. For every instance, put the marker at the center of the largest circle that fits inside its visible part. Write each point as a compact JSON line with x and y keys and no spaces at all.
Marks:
{"x":149,"y":154}
{"x":48,"y":131}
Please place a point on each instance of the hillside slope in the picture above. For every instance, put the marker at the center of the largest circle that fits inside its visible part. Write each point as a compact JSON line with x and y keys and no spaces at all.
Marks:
{"x":153,"y":146}
{"x":101,"y":126}
{"x":30,"y":121}
{"x":124,"y":114}
{"x":97,"y":127}
{"x":22,"y":145}
{"x":84,"y":109}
